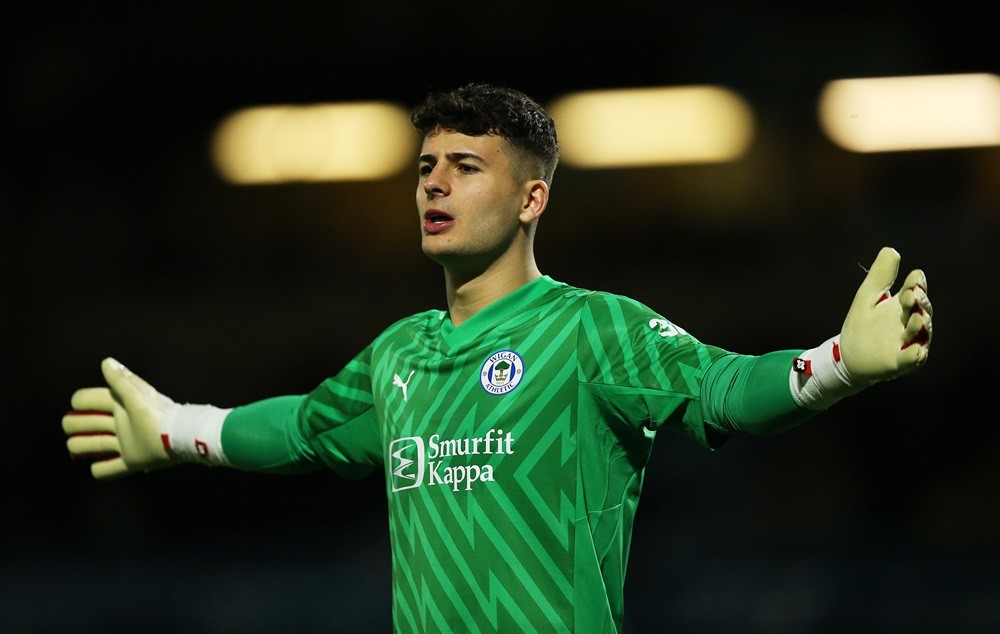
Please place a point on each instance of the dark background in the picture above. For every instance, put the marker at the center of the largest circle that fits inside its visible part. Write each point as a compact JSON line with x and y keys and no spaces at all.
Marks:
{"x":119,"y":239}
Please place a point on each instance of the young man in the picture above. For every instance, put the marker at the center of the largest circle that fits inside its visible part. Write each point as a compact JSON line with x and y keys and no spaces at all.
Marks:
{"x":513,"y":429}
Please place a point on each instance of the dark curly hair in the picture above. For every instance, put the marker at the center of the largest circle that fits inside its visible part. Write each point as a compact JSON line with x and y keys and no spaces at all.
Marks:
{"x":478,"y":109}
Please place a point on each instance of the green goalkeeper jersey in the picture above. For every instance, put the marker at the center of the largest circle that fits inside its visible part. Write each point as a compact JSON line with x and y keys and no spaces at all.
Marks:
{"x":513,"y":449}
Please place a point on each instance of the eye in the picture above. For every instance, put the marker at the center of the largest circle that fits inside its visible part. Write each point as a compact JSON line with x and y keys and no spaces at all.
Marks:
{"x":467,"y":168}
{"x":424,"y":169}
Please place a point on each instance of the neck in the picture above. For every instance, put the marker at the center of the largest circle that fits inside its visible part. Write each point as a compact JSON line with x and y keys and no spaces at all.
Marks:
{"x":468,"y":293}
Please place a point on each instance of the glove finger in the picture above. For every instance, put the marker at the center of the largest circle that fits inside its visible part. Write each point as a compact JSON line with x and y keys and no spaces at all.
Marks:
{"x":109,"y":469}
{"x":880,"y":278}
{"x":917,"y":331}
{"x":925,"y":303}
{"x":125,"y":384}
{"x":93,"y":399}
{"x":91,"y":445}
{"x":88,"y":422}
{"x":912,"y":358}
{"x":923,"y":300}
{"x":913,"y":301}
{"x":916,"y":278}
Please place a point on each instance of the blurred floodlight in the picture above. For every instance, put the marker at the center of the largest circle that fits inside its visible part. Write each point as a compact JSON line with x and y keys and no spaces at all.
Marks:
{"x":652,"y":126}
{"x":886,"y":114}
{"x":320,"y":142}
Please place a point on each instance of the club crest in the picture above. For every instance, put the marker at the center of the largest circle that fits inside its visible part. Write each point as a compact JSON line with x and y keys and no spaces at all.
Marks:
{"x":501,"y":372}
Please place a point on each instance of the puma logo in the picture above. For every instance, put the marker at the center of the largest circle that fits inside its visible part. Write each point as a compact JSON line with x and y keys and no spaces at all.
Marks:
{"x":398,"y":382}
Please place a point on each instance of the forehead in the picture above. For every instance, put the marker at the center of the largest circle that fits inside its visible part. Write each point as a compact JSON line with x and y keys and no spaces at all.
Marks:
{"x":441,"y":143}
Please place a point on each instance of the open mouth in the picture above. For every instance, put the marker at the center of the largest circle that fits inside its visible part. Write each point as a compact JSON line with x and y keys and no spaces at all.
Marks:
{"x":436,"y":221}
{"x":437,"y":217}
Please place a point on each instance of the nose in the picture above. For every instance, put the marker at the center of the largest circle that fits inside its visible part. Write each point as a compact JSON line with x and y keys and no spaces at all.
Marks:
{"x":436,"y":183}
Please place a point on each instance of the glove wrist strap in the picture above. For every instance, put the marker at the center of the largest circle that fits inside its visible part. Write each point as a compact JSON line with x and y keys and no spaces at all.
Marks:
{"x":819,"y":378}
{"x":193,"y":433}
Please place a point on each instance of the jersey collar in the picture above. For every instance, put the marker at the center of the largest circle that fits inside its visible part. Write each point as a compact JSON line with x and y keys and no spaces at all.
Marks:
{"x":494,"y":314}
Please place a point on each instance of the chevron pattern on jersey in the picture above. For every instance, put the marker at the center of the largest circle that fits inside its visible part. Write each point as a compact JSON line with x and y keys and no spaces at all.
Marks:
{"x":513,"y":449}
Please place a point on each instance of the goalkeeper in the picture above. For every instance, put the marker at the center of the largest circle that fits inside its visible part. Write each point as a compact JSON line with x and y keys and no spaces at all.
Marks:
{"x":512,"y":429}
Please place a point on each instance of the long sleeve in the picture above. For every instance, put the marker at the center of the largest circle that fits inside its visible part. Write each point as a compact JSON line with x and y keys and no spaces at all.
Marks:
{"x":750,"y":394}
{"x":262,"y":437}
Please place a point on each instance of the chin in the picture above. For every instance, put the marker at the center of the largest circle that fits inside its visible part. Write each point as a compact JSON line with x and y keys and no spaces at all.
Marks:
{"x":433,"y":253}
{"x":447,"y":258}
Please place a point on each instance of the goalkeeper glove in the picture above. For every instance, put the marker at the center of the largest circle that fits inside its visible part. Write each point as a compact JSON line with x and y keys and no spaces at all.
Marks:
{"x":129,"y":427}
{"x":883,"y":336}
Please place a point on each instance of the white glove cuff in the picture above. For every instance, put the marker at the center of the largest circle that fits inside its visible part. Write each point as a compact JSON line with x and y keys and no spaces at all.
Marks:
{"x":193,"y":433}
{"x":818,"y":377}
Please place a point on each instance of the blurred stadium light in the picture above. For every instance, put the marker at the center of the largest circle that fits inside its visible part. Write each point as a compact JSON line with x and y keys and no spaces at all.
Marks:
{"x":652,"y":126}
{"x":884,"y":114}
{"x":319,"y":142}
{"x":637,"y":127}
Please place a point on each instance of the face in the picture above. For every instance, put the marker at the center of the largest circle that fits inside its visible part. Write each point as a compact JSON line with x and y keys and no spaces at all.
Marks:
{"x":470,"y":205}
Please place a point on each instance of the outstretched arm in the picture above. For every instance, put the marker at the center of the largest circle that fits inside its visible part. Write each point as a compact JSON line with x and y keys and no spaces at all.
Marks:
{"x":883,"y":336}
{"x":128,"y":427}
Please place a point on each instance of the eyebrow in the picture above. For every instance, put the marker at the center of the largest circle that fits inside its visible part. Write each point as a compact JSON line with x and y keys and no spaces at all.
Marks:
{"x":454,"y":157}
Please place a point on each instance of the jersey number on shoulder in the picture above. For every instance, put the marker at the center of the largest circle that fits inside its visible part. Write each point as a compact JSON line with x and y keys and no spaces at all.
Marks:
{"x":666,"y":329}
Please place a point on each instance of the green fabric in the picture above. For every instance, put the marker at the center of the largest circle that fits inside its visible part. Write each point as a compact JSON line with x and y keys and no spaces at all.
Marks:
{"x":750,"y":394}
{"x":513,"y":448}
{"x":258,"y":437}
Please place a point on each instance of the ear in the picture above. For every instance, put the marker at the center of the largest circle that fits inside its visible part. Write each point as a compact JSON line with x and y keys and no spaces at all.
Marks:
{"x":534,"y":202}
